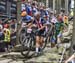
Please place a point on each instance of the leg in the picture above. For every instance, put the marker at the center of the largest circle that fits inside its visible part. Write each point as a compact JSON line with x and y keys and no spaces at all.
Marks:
{"x":37,"y":43}
{"x":6,"y":47}
{"x":41,"y":41}
{"x":59,"y":38}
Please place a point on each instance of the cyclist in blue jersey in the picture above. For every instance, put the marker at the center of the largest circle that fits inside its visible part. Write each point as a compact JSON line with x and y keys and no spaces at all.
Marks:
{"x":26,"y":19}
{"x":42,"y":11}
{"x":29,"y":9}
{"x":34,"y":8}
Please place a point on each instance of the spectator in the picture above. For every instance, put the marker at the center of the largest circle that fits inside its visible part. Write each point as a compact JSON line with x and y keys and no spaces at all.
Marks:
{"x":65,"y":19}
{"x":1,"y":32}
{"x":34,"y":7}
{"x":1,"y":39}
{"x":6,"y":37}
{"x":13,"y":28}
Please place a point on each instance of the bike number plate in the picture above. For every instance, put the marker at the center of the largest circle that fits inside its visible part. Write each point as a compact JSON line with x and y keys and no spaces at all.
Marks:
{"x":29,"y":30}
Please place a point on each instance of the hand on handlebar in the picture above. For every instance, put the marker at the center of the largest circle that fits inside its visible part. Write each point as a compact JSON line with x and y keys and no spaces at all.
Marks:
{"x":34,"y":25}
{"x":37,"y":30}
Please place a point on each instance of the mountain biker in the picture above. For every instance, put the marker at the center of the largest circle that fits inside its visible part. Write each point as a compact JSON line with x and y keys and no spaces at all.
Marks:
{"x":29,"y":9}
{"x":34,"y":8}
{"x":42,"y":11}
{"x":46,"y":19}
{"x":48,"y":28}
{"x":26,"y":19}
{"x":53,"y":22}
{"x":39,"y":35}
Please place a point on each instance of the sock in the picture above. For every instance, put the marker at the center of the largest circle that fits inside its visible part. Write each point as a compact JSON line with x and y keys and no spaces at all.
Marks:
{"x":37,"y":49}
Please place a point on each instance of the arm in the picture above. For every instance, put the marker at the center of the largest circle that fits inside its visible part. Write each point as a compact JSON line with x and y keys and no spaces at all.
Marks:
{"x":31,"y":22}
{"x":42,"y":27}
{"x":72,"y":57}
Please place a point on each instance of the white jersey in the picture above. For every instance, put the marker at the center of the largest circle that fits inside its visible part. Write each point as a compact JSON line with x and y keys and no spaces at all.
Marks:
{"x":53,"y":20}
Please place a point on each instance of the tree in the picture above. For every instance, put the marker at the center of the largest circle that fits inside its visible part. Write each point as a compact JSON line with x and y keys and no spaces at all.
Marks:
{"x":18,"y":18}
{"x":73,"y":34}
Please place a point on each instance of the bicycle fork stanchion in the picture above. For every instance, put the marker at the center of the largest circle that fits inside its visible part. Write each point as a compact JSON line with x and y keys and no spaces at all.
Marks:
{"x":61,"y":59}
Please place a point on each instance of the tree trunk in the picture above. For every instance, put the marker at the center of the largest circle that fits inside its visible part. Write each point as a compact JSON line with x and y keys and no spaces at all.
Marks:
{"x":73,"y":34}
{"x":66,"y":6}
{"x":18,"y":19}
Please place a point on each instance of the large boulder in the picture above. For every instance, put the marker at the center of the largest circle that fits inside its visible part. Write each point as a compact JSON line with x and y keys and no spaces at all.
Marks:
{"x":69,"y":31}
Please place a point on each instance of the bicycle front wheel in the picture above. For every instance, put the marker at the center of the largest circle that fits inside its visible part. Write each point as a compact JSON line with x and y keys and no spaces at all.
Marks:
{"x":25,"y":47}
{"x":22,"y":35}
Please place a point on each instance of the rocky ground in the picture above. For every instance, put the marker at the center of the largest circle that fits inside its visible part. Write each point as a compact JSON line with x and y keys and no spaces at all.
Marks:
{"x":50,"y":55}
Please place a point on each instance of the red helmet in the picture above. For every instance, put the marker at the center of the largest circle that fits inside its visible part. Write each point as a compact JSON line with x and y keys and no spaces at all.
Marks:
{"x":60,"y":18}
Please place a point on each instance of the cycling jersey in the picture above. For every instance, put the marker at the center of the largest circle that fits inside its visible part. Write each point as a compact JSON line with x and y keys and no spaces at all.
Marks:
{"x":34,"y":10}
{"x":53,"y":20}
{"x":46,"y":14}
{"x":29,"y":10}
{"x":47,"y":22}
{"x":39,"y":23}
{"x":42,"y":12}
{"x":26,"y":19}
{"x":58,"y":27}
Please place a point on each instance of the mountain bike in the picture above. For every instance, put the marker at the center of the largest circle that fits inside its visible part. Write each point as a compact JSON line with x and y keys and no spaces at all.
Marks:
{"x":24,"y":41}
{"x":32,"y":41}
{"x":27,"y":40}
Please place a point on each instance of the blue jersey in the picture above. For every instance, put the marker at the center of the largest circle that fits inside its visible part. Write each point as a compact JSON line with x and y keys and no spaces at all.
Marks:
{"x":46,"y":13}
{"x":42,"y":13}
{"x":29,"y":10}
{"x":26,"y":18}
{"x":34,"y":10}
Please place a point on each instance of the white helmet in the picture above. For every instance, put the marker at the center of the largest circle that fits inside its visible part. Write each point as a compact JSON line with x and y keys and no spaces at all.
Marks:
{"x":37,"y":13}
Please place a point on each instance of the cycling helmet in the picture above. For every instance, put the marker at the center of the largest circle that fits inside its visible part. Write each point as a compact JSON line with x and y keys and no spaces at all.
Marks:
{"x":24,"y":13}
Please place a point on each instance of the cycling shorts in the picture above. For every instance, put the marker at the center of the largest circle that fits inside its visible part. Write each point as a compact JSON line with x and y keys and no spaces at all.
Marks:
{"x":40,"y":33}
